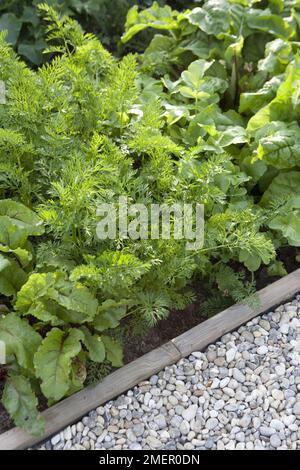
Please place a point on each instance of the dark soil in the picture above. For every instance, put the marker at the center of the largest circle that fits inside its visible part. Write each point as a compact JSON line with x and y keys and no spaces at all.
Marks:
{"x":177,"y":323}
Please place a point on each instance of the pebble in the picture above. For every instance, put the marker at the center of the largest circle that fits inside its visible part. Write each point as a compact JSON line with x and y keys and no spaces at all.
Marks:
{"x":230,"y":354}
{"x":211,"y":423}
{"x":262,"y":350}
{"x":190,"y":412}
{"x":296,"y":409}
{"x":275,"y":441}
{"x":243,"y":392}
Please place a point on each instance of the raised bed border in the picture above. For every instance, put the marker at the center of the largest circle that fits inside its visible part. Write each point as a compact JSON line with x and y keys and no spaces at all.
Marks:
{"x":73,"y":408}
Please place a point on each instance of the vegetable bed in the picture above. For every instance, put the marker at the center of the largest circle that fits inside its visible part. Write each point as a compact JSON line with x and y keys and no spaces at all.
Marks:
{"x":208,"y":114}
{"x":198,"y":338}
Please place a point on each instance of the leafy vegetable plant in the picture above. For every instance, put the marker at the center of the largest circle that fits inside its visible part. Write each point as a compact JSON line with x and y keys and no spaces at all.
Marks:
{"x":207,"y":114}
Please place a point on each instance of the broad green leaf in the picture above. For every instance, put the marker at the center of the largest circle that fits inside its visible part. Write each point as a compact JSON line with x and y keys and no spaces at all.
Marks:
{"x":12,"y":235}
{"x":289,"y":226}
{"x":160,"y":55}
{"x":30,"y":299}
{"x":163,"y":18}
{"x":114,"y":352}
{"x":79,"y":299}
{"x":51,"y":297}
{"x":277,"y":56}
{"x":12,"y":277}
{"x":20,"y":339}
{"x":94,"y":345}
{"x":213,"y":18}
{"x":21,"y":216}
{"x":286,"y":104}
{"x":33,"y":51}
{"x":109,"y":314}
{"x":53,"y":360}
{"x":252,"y":102}
{"x":12,"y":24}
{"x":21,"y":403}
{"x":232,"y":135}
{"x":280,"y":149}
{"x":194,"y":74}
{"x":4,"y":262}
{"x":277,"y":269}
{"x":264,"y":20}
{"x":24,"y":256}
{"x":283,"y":187}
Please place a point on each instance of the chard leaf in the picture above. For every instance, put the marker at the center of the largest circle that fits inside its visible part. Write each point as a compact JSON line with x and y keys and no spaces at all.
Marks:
{"x":212,"y":18}
{"x":277,"y":56}
{"x":163,"y":18}
{"x":280,"y":149}
{"x":114,"y":352}
{"x":21,"y":340}
{"x":21,"y":403}
{"x":12,"y":277}
{"x":289,"y":226}
{"x":110,"y":314}
{"x":252,"y":102}
{"x":11,"y":234}
{"x":283,"y":187}
{"x":286,"y":104}
{"x":264,"y":20}
{"x":53,"y":360}
{"x":94,"y":345}
{"x":22,"y":217}
{"x":52,"y":297}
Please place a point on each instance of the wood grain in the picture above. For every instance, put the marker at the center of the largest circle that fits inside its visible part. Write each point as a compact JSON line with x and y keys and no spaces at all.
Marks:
{"x":73,"y":408}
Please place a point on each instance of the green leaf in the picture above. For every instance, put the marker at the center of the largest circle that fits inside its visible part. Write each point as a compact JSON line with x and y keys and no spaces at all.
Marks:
{"x":289,"y":226}
{"x":163,"y":18}
{"x":232,"y":135}
{"x":21,"y":340}
{"x":51,"y":297}
{"x":53,"y":361}
{"x":114,"y":352}
{"x":21,"y":403}
{"x":94,"y":345}
{"x":252,"y":102}
{"x":21,"y":216}
{"x":281,"y":149}
{"x":12,"y":277}
{"x":195,"y":72}
{"x":109,"y":314}
{"x":10,"y":234}
{"x":283,"y":187}
{"x":12,"y":25}
{"x":277,"y":269}
{"x":286,"y":104}
{"x":33,"y":51}
{"x":257,"y":251}
{"x":264,"y":20}
{"x":213,"y":18}
{"x":277,"y":56}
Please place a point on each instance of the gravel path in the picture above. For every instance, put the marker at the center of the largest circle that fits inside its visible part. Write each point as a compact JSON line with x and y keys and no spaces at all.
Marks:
{"x":243,"y":392}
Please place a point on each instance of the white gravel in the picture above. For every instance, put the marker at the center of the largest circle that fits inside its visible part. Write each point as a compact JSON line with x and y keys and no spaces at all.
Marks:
{"x":243,"y":392}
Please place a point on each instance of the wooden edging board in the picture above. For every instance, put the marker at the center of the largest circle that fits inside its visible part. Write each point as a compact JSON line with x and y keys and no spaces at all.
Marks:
{"x":73,"y":408}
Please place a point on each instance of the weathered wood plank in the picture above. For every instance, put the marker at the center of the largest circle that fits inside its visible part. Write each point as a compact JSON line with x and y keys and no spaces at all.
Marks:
{"x":73,"y":408}
{"x":209,"y":331}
